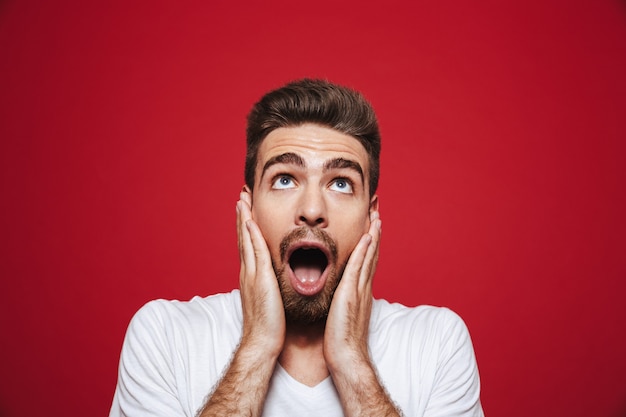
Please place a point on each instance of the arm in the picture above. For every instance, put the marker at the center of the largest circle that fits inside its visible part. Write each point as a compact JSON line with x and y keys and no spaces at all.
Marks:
{"x":346,"y":334}
{"x":456,"y":388}
{"x":146,"y":382}
{"x":243,"y":388}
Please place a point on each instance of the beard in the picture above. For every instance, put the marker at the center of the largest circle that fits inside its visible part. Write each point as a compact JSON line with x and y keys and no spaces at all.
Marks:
{"x":300,"y":309}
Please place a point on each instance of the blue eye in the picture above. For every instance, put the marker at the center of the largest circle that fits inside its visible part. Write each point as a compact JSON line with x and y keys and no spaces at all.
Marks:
{"x":283,"y":182}
{"x":342,"y":185}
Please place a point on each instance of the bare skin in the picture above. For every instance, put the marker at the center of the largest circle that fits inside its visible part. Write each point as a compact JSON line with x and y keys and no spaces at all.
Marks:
{"x":311,"y":353}
{"x":242,"y":390}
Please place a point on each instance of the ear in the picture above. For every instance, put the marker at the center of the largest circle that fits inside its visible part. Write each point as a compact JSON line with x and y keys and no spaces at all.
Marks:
{"x":374,"y":203}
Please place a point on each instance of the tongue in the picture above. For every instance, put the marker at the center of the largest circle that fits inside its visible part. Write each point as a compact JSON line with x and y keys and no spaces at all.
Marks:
{"x":307,"y":273}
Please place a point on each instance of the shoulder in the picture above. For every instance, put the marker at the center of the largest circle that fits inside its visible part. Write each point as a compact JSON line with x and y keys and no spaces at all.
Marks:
{"x":162,"y":310}
{"x":423,"y":317}
{"x":425,"y":357}
{"x":423,"y":327}
{"x":174,"y":316}
{"x":170,"y":343}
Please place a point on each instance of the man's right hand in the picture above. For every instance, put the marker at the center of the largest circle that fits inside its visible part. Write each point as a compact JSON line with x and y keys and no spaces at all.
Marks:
{"x":263,"y":312}
{"x":243,"y":388}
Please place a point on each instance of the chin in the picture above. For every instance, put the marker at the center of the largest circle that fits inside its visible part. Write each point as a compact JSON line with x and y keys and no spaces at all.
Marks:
{"x":307,"y":310}
{"x":308,"y":274}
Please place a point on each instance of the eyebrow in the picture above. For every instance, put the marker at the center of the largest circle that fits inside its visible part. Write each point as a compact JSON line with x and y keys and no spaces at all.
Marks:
{"x":288,"y":158}
{"x":342,"y":163}
{"x":291,"y":158}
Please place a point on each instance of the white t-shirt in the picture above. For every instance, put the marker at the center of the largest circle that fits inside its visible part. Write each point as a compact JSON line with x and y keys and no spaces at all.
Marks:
{"x":175,"y":352}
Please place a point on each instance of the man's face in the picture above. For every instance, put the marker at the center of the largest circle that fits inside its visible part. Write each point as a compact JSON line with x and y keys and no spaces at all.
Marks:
{"x":311,"y":201}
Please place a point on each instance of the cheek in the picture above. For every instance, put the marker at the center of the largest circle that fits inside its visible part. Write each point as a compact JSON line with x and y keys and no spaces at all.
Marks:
{"x":356,"y":221}
{"x":264,"y":218}
{"x":270,"y":228}
{"x":352,"y":233}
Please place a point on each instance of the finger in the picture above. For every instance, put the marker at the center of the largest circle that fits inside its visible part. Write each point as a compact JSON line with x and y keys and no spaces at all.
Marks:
{"x":246,"y":251}
{"x":355,"y":263}
{"x":371,"y":257}
{"x":375,"y":230}
{"x":239,"y":237}
{"x":263,"y":260}
{"x":246,"y":196}
{"x":241,"y":213}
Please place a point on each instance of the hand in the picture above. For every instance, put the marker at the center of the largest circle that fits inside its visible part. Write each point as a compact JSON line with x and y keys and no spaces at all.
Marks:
{"x":347,"y":326}
{"x":263,"y":312}
{"x":346,"y":334}
{"x":243,"y":388}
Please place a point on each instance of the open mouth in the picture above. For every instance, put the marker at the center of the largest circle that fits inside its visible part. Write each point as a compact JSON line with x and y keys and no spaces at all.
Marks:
{"x":308,"y":264}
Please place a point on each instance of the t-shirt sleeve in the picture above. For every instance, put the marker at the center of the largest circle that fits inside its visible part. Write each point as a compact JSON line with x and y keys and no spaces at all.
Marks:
{"x":146,"y":383}
{"x":456,"y":390}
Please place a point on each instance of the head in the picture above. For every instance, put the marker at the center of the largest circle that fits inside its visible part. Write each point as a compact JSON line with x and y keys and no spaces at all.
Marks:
{"x":312,"y":171}
{"x":316,"y":102}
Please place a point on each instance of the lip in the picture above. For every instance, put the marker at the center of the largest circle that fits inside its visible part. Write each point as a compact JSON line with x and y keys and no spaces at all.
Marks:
{"x":302,"y":288}
{"x":308,"y":244}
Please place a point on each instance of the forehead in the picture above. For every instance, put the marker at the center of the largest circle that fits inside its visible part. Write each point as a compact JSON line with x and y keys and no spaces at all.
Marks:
{"x":314,"y":143}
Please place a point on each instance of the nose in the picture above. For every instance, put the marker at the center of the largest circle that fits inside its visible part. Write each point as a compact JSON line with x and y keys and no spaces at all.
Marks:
{"x":312,"y":208}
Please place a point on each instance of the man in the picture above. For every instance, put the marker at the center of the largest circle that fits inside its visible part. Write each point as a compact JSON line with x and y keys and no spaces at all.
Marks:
{"x":302,"y":336}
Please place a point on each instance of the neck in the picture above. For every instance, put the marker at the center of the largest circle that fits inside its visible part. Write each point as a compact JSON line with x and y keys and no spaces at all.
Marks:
{"x":309,"y":333}
{"x":303,"y":355}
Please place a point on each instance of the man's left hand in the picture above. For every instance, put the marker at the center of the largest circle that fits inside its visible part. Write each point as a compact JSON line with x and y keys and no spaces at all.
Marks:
{"x":347,"y":327}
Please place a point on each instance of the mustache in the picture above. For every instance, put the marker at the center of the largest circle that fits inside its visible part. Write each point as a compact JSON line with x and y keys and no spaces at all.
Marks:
{"x":306,"y":232}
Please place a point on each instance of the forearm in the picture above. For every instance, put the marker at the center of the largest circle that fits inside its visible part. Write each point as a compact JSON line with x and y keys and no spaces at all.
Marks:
{"x":362,"y":393}
{"x":346,"y":334}
{"x":242,"y":389}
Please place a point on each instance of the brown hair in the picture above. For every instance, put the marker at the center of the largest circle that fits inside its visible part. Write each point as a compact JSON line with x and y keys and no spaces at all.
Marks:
{"x":314,"y":101}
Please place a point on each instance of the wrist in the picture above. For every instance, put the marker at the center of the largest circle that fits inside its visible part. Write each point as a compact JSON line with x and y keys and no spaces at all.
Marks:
{"x":259,"y":348}
{"x":350,"y":365}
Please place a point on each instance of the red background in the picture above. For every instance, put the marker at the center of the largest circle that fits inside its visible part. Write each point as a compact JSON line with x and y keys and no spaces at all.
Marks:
{"x":502,"y":189}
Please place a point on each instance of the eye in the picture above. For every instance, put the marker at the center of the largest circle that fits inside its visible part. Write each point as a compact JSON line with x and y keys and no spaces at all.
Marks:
{"x":283,"y":182}
{"x":342,"y":185}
